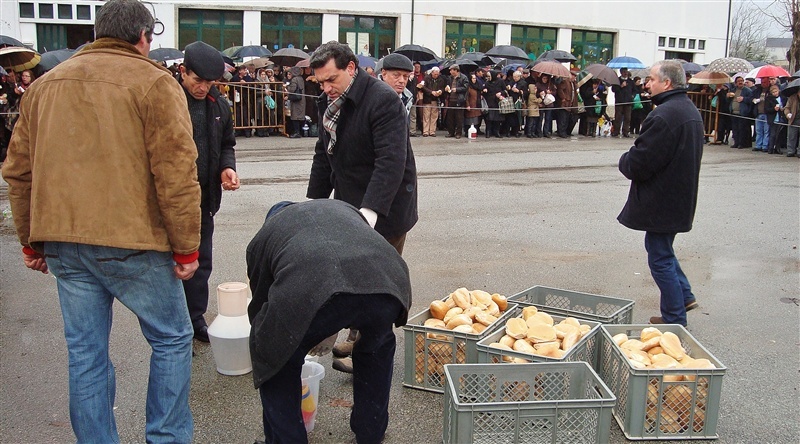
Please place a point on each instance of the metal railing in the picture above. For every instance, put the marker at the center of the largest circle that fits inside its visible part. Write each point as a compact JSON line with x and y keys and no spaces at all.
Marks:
{"x":250,"y":104}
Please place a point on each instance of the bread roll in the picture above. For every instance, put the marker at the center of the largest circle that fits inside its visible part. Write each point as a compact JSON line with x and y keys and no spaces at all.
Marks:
{"x":671,"y":344}
{"x":571,"y":321}
{"x":564,"y":329}
{"x":484,"y":318}
{"x":620,"y":338}
{"x":664,"y":361}
{"x":546,"y":347}
{"x":462,"y":298}
{"x":493,"y":309}
{"x":472,"y":311}
{"x":655,"y":350}
{"x":478,"y":327}
{"x":438,"y":309}
{"x":460,"y":319}
{"x":528,"y":311}
{"x":516,"y":328}
{"x":481,"y":297}
{"x":569,"y":340}
{"x":650,"y":343}
{"x":670,"y":421}
{"x":649,"y":332}
{"x":632,"y":344}
{"x":585,"y":328}
{"x":501,"y":301}
{"x":507,"y":340}
{"x":540,"y":318}
{"x":464,"y":328}
{"x":679,"y":399}
{"x":451,"y":313}
{"x":523,"y":346}
{"x":450,"y":302}
{"x":435,"y":323}
{"x":541,"y":333}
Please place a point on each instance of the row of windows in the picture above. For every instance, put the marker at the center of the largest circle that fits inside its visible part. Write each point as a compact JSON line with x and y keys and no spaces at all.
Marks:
{"x":682,"y":43}
{"x":59,"y":11}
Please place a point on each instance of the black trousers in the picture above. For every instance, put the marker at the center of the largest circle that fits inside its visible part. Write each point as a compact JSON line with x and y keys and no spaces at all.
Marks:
{"x":373,"y":362}
{"x":455,"y":121}
{"x":196,"y":288}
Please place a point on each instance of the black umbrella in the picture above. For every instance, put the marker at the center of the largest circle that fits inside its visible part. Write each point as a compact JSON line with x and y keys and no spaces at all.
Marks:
{"x":508,"y":52}
{"x":603,"y":72}
{"x":479,"y":58}
{"x":164,"y":54}
{"x":251,"y":51}
{"x":797,"y":74}
{"x":466,"y":66}
{"x":791,"y":88}
{"x":692,"y":68}
{"x":558,"y":55}
{"x":416,"y":53}
{"x":52,"y":58}
{"x":9,"y":41}
{"x":288,"y":56}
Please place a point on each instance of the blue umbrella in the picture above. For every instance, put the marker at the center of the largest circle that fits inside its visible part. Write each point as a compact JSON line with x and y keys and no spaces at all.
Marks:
{"x":366,"y":61}
{"x":625,"y":62}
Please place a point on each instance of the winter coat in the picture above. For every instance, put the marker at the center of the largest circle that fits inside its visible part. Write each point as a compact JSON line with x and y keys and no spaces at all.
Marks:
{"x":458,"y":90}
{"x":119,"y":170}
{"x":492,"y":88}
{"x":372,"y":164}
{"x":301,"y":257}
{"x":664,"y":167}
{"x":533,"y":102}
{"x":297,"y":98}
{"x":473,"y":102}
{"x":432,"y":85}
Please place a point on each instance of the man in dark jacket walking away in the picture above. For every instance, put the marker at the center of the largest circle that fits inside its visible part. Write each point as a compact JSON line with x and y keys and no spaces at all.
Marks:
{"x":315,"y":268}
{"x":212,"y":131}
{"x":363,"y":153}
{"x":664,"y":169}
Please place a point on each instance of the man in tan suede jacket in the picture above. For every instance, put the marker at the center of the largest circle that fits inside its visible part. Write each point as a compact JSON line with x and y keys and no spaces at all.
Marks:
{"x":103,"y":187}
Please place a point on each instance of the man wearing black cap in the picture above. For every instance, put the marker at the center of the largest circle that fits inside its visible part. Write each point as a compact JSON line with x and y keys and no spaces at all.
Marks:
{"x":456,"y":101}
{"x":395,"y":71}
{"x":212,"y":131}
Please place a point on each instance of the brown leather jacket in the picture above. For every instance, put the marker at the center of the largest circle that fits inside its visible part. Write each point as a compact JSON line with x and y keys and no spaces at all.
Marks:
{"x":103,"y":154}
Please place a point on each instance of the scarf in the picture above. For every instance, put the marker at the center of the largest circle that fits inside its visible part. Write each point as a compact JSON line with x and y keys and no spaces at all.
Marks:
{"x":330,"y":119}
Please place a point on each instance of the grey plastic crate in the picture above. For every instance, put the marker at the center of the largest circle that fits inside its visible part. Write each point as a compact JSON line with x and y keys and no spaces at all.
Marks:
{"x":602,"y":309}
{"x":584,"y":350}
{"x":428,"y":350}
{"x":644,"y":413}
{"x":526,"y":403}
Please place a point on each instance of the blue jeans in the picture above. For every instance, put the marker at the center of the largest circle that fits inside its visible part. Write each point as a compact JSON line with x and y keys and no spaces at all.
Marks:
{"x":762,"y":132}
{"x":373,"y":364}
{"x":666,"y":271}
{"x":89,"y":279}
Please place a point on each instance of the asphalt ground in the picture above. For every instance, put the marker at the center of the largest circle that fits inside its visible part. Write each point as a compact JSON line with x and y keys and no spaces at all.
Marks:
{"x":498,"y":215}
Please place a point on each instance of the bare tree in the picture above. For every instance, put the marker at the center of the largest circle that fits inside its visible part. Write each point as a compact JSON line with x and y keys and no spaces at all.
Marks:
{"x":786,"y":14}
{"x":748,"y":32}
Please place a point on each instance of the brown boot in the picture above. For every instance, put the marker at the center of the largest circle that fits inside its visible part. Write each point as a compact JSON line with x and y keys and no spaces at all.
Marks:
{"x":343,"y":365}
{"x":345,"y":349}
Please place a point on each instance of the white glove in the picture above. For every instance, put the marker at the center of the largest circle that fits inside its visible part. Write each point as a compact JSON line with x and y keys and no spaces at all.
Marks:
{"x":324,"y":347}
{"x":370,"y":216}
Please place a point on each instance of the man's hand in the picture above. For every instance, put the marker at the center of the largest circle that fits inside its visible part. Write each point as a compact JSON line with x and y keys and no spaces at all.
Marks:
{"x":35,"y":262}
{"x":230,"y":180}
{"x":185,"y":272}
{"x":324,"y":347}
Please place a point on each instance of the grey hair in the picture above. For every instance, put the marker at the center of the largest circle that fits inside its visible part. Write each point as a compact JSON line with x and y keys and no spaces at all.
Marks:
{"x":124,"y":20}
{"x":672,"y":70}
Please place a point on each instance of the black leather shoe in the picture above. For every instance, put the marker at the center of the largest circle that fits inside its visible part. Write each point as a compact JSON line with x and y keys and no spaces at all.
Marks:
{"x":201,"y":334}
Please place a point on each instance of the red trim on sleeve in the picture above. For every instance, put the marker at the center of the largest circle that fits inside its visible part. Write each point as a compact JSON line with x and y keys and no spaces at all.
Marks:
{"x":185,"y":258}
{"x":30,"y":251}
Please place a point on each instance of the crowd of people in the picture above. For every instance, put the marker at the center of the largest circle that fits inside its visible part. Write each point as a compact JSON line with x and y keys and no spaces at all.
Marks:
{"x":756,"y":114}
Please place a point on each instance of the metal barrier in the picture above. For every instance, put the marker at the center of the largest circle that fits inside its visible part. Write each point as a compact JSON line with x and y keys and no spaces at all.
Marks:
{"x":250,"y":105}
{"x":709,"y":114}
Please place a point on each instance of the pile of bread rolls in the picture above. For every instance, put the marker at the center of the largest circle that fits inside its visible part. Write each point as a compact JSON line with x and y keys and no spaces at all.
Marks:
{"x":535,"y":333}
{"x":659,"y":351}
{"x":463,"y":311}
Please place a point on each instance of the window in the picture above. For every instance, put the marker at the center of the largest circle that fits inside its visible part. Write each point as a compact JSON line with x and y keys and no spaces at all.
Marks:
{"x":534,"y":41}
{"x":26,"y":10}
{"x":692,"y":43}
{"x":662,"y":41}
{"x":463,"y":37}
{"x":591,"y":47}
{"x":65,"y":11}
{"x":369,"y":36}
{"x":220,"y":29}
{"x":672,"y":42}
{"x":84,"y":12}
{"x":46,"y":10}
{"x":282,"y":30}
{"x":681,"y":43}
{"x":701,"y":44}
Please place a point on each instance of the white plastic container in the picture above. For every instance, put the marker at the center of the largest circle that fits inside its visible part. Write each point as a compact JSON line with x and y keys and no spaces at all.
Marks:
{"x":230,"y":343}
{"x":230,"y":332}
{"x":472,"y":133}
{"x":312,"y":374}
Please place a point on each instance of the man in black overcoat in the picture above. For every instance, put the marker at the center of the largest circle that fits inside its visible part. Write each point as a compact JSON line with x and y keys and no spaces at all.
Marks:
{"x":315,"y":268}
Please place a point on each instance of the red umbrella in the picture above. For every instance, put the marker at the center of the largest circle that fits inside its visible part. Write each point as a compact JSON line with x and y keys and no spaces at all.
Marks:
{"x":768,"y":71}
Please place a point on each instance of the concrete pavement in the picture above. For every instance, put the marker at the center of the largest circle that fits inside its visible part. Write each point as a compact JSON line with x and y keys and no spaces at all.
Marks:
{"x":498,"y":215}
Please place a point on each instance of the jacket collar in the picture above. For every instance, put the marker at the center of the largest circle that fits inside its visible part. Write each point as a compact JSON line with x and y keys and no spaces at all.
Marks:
{"x":107,"y":44}
{"x":666,"y":95}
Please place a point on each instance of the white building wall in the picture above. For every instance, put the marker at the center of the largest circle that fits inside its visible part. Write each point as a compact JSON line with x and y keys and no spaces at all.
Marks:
{"x":636,"y":25}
